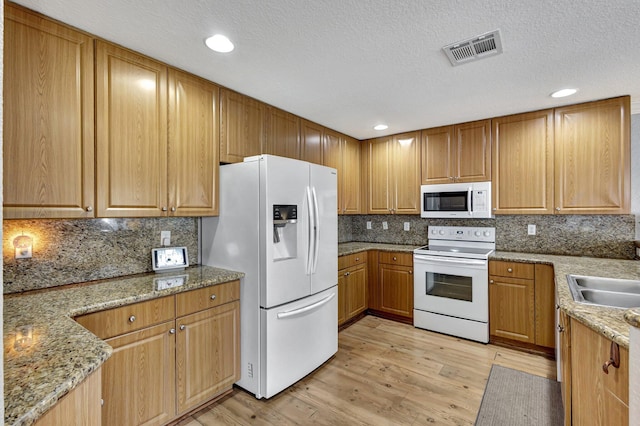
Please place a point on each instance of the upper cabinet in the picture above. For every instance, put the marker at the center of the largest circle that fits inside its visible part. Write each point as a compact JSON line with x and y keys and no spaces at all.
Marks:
{"x":193,"y":162}
{"x":311,"y":138}
{"x":392,"y":167}
{"x":131,"y":133}
{"x":343,"y":154}
{"x":242,"y":126}
{"x":592,"y":157}
{"x":48,"y":119}
{"x":460,"y":153}
{"x":522,"y":164}
{"x":282,"y":136}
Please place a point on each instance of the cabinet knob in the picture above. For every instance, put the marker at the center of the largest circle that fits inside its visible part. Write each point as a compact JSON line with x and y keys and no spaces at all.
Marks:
{"x":560,"y":329}
{"x":173,"y":209}
{"x":495,"y":209}
{"x":410,"y":272}
{"x":395,"y":258}
{"x":346,"y":274}
{"x":132,"y":318}
{"x":212,"y":297}
{"x":182,"y":327}
{"x":164,"y":209}
{"x":172,"y":331}
{"x":490,"y":281}
{"x":357,"y":259}
{"x":509,"y":270}
{"x":614,"y":358}
{"x":557,"y":209}
{"x":89,"y":208}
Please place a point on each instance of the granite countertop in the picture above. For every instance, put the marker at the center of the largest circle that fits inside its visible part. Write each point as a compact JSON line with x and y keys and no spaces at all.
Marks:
{"x":613,"y":323}
{"x":64,"y":353}
{"x":357,"y":247}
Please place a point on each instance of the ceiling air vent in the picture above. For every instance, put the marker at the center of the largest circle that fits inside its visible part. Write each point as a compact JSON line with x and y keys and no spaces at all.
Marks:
{"x":478,"y":47}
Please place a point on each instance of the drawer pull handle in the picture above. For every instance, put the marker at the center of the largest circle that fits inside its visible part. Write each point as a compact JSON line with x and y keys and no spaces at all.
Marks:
{"x":509,"y":270}
{"x":132,"y":318}
{"x":182,"y":327}
{"x":172,"y":331}
{"x":614,"y":358}
{"x":212,"y":297}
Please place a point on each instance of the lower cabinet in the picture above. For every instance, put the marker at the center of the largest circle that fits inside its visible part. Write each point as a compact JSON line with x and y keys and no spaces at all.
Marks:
{"x":597,"y":398}
{"x":170,"y":355}
{"x":352,"y":286}
{"x":521,"y":303}
{"x":392,"y":289}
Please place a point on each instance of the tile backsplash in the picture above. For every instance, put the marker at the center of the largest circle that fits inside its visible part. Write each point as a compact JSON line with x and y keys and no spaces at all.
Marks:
{"x":575,"y":235}
{"x":72,"y":251}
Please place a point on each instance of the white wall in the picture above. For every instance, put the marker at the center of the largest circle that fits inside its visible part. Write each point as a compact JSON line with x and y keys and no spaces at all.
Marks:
{"x":635,"y":165}
{"x":1,"y":283}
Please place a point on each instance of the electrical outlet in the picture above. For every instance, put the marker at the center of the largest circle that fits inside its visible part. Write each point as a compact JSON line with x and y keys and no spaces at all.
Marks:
{"x":385,"y":225}
{"x":369,"y":225}
{"x":531,"y":229}
{"x":165,"y":238}
{"x":407,"y":226}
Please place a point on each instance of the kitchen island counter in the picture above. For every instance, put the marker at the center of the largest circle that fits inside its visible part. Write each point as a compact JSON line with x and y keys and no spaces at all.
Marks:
{"x":64,"y":353}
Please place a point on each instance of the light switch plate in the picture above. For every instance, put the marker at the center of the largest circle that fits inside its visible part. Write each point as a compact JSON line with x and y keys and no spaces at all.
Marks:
{"x":385,"y":225}
{"x":407,"y":226}
{"x":369,"y":225}
{"x":165,"y":238}
{"x":531,"y":229}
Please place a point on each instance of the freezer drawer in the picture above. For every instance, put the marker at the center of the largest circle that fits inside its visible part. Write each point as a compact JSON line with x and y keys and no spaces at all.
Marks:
{"x":297,"y":338}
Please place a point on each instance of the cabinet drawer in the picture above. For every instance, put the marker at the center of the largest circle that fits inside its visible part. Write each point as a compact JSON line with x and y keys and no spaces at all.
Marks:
{"x":117,"y":321}
{"x":207,"y":297}
{"x":395,"y":258}
{"x":512,"y":269}
{"x":352,"y":259}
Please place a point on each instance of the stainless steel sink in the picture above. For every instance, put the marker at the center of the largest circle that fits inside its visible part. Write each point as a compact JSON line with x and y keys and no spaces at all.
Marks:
{"x":613,"y":292}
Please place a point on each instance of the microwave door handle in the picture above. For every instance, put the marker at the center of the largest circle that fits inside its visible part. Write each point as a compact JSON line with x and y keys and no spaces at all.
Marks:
{"x":469,"y":206}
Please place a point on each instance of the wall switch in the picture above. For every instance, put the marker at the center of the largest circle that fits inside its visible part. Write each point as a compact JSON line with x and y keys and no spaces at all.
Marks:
{"x":531,"y":229}
{"x":165,"y":238}
{"x":385,"y":225}
{"x":369,"y":225}
{"x":407,"y":226}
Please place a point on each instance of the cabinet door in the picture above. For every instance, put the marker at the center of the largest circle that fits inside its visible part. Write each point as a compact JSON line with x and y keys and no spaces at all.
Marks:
{"x":351,"y":180}
{"x":333,"y":156}
{"x":242,"y":126}
{"x":565,"y":365}
{"x":592,"y":157}
{"x":406,"y":173}
{"x":511,"y":308}
{"x":138,"y":380}
{"x":356,"y":291}
{"x":396,"y":290}
{"x":48,"y":119}
{"x":131,"y":136}
{"x":311,"y":140}
{"x":545,"y":291}
{"x":282,"y":137}
{"x":193,"y":146}
{"x":436,"y":148}
{"x":342,"y":294}
{"x":472,"y":146}
{"x":378,"y":160}
{"x":207,"y":354}
{"x":522,"y":166}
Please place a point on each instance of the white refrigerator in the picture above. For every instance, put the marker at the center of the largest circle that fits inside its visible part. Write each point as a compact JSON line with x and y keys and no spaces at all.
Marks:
{"x":278,"y":224}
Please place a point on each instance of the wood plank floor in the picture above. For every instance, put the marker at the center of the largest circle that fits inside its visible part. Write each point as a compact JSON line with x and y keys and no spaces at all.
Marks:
{"x":385,"y":373}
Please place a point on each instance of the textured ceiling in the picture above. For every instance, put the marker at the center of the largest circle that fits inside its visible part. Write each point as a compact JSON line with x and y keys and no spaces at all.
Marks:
{"x":349,"y":64}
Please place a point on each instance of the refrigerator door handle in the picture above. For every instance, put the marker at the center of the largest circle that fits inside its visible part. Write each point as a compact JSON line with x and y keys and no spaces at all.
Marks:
{"x":316,"y":231}
{"x":311,"y":242}
{"x":300,"y":311}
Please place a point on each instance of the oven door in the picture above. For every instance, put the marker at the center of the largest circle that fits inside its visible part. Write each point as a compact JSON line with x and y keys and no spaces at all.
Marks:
{"x":451,"y":286}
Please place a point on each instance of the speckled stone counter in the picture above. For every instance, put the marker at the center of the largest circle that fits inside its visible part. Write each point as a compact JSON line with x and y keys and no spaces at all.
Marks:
{"x":64,"y":353}
{"x":357,"y":247}
{"x":608,"y":321}
{"x":633,"y":317}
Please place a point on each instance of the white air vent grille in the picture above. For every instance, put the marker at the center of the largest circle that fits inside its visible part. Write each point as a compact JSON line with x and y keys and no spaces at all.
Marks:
{"x":479,"y":47}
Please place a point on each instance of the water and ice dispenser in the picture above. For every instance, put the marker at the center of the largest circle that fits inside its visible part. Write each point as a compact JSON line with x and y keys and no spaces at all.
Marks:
{"x":285,"y":231}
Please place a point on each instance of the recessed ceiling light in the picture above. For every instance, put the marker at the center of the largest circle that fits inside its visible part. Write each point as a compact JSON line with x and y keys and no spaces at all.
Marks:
{"x":564,"y":92}
{"x":219,"y":43}
{"x":380,"y":127}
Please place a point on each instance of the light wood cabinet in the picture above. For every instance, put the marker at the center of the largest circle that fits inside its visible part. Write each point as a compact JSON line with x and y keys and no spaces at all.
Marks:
{"x":48,"y":119}
{"x":193,"y":146}
{"x":592,"y":157}
{"x":521,"y":303}
{"x":395,"y":285}
{"x":80,"y":407}
{"x":460,"y":153}
{"x":564,"y":329}
{"x":282,"y":134}
{"x":597,"y":398}
{"x":207,"y":354}
{"x":392,"y":167}
{"x":343,"y":154}
{"x":131,"y":133}
{"x":311,"y":139}
{"x":352,"y":286}
{"x":522,"y":165}
{"x":242,"y":126}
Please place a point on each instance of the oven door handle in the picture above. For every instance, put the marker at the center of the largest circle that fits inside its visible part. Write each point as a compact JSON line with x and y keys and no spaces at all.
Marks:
{"x":418,"y":258}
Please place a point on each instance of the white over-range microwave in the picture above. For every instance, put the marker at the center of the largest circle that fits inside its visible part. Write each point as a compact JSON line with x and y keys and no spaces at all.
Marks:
{"x":456,"y":200}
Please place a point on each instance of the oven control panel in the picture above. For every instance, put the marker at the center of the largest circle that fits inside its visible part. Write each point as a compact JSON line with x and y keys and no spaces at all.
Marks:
{"x":463,"y":233}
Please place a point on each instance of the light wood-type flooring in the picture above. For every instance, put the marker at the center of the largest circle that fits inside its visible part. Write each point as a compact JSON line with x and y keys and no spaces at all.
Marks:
{"x":385,"y":373}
